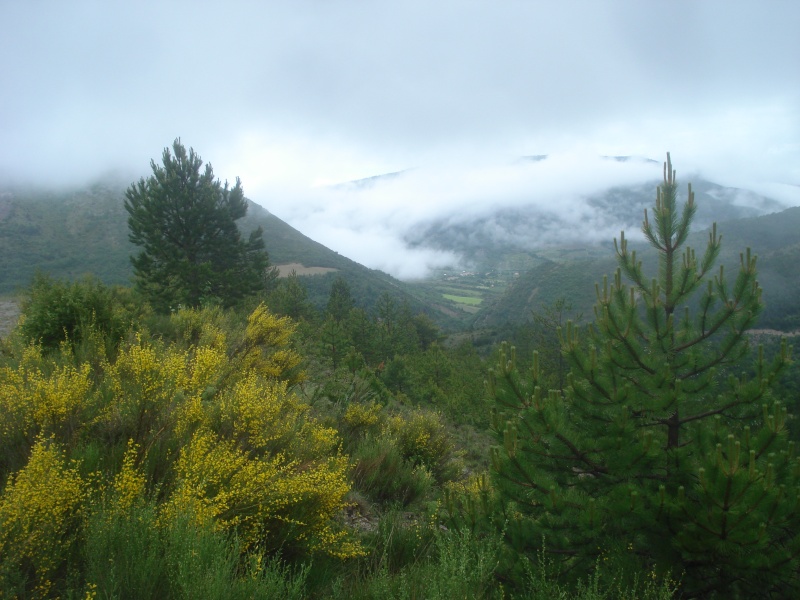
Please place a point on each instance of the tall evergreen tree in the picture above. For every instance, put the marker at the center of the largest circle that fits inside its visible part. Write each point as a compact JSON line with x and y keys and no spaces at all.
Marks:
{"x":659,"y":453}
{"x":427,"y":332}
{"x":340,"y":300}
{"x":365,"y":335}
{"x":334,"y":341}
{"x":185,"y":222}
{"x":290,"y":298}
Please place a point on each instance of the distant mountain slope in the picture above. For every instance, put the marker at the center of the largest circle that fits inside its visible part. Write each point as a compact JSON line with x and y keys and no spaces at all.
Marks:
{"x":68,"y":233}
{"x":484,"y":240}
{"x":85,"y":230}
{"x":775,"y":238}
{"x":554,"y":241}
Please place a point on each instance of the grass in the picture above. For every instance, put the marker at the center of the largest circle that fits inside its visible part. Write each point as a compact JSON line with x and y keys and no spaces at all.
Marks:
{"x":468,"y":300}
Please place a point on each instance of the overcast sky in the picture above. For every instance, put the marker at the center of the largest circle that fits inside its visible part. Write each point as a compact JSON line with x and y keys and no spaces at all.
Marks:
{"x":296,"y":96}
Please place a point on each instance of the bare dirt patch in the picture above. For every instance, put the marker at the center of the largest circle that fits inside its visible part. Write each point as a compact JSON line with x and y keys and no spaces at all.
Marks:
{"x":9,"y":313}
{"x":775,"y":332}
{"x":286,"y":270}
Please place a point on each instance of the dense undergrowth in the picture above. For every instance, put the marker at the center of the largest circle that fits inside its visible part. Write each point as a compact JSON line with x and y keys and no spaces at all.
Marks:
{"x":242,"y":453}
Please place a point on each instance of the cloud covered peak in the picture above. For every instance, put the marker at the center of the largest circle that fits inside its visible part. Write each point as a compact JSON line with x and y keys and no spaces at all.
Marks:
{"x":413,"y":221}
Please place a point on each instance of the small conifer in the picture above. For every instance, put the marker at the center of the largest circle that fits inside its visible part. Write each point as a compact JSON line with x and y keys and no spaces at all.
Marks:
{"x":661,"y":453}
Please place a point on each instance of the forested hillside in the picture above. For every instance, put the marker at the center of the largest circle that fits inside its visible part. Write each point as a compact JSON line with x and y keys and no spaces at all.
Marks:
{"x":775,"y":238}
{"x":488,"y":239}
{"x":70,"y":233}
{"x":84,"y":231}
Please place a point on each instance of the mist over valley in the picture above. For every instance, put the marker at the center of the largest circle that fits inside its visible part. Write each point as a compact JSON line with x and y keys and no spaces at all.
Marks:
{"x":477,"y":245}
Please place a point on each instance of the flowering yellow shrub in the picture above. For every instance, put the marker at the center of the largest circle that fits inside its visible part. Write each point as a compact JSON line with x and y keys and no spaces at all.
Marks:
{"x":209,"y":422}
{"x":254,"y":460}
{"x":265,"y":347}
{"x":262,"y":413}
{"x":143,"y":383}
{"x":271,"y":500}
{"x":40,"y":511}
{"x":142,"y":373}
{"x":33,"y":402}
{"x":317,"y":440}
{"x":200,"y":326}
{"x":129,"y":484}
{"x":362,"y":415}
{"x":423,"y":439}
{"x":205,"y":366}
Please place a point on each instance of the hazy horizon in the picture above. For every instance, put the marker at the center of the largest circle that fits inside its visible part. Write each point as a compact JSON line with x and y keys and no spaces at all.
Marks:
{"x":296,"y":97}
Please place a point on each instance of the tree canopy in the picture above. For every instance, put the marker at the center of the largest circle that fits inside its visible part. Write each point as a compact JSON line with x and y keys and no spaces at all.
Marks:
{"x":185,"y":222}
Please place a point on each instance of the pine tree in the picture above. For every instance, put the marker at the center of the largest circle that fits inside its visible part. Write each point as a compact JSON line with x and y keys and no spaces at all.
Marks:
{"x":340,"y":300}
{"x":290,"y":298}
{"x":427,"y":331}
{"x":185,"y":222}
{"x":661,"y":453}
{"x":365,"y":335}
{"x":334,"y":341}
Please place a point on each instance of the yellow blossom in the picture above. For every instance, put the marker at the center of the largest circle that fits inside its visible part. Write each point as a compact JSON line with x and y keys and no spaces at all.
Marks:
{"x":129,"y":483}
{"x":40,"y":509}
{"x":32,"y":401}
{"x":362,"y":415}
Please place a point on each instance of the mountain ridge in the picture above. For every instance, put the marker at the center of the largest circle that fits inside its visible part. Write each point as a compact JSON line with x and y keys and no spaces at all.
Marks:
{"x":80,"y":230}
{"x":774,"y":237}
{"x":84,"y":230}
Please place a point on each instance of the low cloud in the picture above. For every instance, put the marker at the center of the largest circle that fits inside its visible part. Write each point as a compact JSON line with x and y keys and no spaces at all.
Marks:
{"x":377,"y":221}
{"x":295,"y":97}
{"x":410,"y":222}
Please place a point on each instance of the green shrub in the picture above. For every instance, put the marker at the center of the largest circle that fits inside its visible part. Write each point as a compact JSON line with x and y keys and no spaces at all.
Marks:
{"x":413,"y":560}
{"x":128,"y":555}
{"x":382,"y":474}
{"x":203,"y":563}
{"x":463,"y":567}
{"x":124,"y":554}
{"x":55,"y":311}
{"x":604,"y":582}
{"x":424,"y":441}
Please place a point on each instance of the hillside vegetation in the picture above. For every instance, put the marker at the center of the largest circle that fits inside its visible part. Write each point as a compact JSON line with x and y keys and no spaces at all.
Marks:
{"x":347,"y":435}
{"x":775,"y":238}
{"x":72,"y":233}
